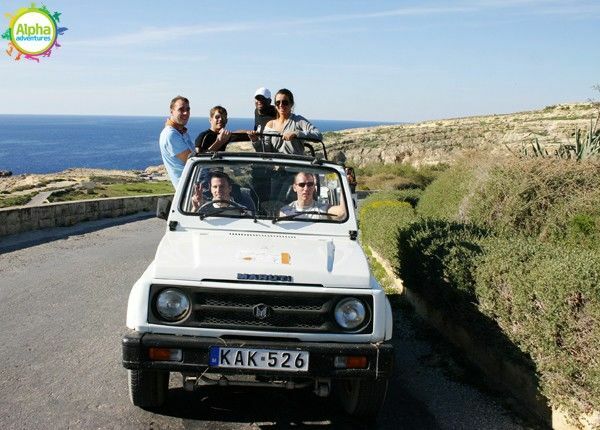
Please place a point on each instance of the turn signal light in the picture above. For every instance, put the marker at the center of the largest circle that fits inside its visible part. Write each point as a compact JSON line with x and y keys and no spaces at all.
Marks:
{"x":351,"y":362}
{"x":165,"y":354}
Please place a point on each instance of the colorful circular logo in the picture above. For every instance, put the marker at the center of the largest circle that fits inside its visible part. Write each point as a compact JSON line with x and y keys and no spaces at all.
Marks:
{"x":33,"y":32}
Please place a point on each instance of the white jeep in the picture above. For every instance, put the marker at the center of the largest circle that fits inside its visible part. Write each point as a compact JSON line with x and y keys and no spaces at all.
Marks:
{"x":255,"y":287}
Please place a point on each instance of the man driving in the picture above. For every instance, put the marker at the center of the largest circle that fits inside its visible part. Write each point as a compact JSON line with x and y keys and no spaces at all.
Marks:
{"x":220,"y":189}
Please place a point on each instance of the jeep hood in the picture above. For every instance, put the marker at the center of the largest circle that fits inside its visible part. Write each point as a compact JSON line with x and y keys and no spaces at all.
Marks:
{"x":196,"y":256}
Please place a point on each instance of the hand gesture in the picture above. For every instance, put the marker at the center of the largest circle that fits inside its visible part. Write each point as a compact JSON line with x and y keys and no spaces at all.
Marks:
{"x":197,"y":197}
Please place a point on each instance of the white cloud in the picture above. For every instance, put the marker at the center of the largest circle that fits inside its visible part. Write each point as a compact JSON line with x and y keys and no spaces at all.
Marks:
{"x":153,"y":35}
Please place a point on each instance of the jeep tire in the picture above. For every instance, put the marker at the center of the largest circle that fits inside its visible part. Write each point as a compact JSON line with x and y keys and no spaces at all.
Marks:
{"x":361,"y":398}
{"x":148,"y":388}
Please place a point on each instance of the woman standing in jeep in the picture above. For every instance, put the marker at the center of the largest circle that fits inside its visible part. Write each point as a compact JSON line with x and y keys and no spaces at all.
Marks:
{"x":292,"y":127}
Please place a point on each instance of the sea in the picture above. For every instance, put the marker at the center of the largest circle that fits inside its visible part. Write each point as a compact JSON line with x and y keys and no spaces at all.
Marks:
{"x":52,"y":143}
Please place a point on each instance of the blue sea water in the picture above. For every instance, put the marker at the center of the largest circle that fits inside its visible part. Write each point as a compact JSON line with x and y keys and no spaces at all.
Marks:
{"x":52,"y":143}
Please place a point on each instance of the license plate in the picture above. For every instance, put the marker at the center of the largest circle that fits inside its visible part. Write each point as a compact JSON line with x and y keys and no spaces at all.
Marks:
{"x":250,"y":358}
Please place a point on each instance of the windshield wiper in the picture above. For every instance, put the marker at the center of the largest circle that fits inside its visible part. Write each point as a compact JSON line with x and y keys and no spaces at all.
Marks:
{"x":218,"y":211}
{"x":300,"y":214}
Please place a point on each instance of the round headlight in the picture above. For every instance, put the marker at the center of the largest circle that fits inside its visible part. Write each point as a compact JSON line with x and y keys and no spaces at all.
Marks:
{"x":350,"y":313}
{"x":172,"y":304}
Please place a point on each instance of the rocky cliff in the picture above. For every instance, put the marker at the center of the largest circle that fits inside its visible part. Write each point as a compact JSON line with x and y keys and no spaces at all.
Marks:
{"x":433,"y":142}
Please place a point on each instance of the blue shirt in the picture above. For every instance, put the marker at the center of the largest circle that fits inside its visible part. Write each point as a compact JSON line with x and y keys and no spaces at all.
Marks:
{"x":171,"y":143}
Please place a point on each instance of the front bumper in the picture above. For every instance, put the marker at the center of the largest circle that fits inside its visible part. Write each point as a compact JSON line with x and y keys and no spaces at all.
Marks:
{"x":380,"y":356}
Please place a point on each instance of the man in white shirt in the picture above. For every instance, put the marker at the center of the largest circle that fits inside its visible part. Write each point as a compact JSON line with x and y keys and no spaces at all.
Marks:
{"x":304,"y":187}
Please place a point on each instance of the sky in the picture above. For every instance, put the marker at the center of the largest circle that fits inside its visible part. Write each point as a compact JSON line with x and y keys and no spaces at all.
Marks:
{"x":399,"y":61}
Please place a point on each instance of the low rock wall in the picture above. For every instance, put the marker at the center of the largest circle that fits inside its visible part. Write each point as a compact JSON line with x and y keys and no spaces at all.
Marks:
{"x":20,"y":219}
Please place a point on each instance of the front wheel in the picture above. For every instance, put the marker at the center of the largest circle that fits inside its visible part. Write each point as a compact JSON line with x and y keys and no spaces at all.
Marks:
{"x":362,"y":398}
{"x":148,"y":388}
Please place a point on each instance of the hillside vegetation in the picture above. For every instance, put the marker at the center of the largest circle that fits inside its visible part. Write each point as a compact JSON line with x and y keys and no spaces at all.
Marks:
{"x":511,"y":247}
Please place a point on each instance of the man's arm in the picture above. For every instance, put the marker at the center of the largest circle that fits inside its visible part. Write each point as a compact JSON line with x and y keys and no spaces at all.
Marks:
{"x":222,"y":139}
{"x":184,"y":155}
{"x":339,"y":211}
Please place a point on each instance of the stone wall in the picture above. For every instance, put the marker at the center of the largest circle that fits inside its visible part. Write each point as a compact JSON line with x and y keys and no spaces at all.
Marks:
{"x":19,"y":219}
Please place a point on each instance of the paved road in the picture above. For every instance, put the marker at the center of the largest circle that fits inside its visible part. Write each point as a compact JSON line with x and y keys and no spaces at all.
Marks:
{"x":62,"y":313}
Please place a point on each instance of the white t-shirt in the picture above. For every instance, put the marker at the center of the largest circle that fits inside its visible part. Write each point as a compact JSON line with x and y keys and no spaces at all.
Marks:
{"x":293,"y":208}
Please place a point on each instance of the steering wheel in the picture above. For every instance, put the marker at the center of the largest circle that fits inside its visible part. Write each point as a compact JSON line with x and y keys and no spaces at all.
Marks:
{"x":230,"y":203}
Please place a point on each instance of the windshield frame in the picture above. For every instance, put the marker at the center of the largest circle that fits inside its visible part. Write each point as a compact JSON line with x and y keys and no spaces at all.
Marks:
{"x":289,"y":163}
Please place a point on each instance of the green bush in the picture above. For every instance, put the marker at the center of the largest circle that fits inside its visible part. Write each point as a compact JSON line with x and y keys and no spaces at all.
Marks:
{"x":436,"y":261}
{"x":379,"y":222}
{"x":444,"y":197}
{"x":410,"y":195}
{"x":19,"y":200}
{"x":546,"y":299}
{"x":554,"y":200}
{"x":398,"y":176}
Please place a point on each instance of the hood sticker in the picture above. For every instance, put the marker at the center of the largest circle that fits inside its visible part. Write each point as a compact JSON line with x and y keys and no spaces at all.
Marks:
{"x":264,"y":256}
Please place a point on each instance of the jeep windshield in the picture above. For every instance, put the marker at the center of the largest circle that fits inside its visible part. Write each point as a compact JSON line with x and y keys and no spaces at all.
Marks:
{"x":275,"y":190}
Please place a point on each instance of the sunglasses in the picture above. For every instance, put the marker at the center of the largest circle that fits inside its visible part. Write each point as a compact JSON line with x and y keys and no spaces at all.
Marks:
{"x":282,"y":103}
{"x":306,"y":184}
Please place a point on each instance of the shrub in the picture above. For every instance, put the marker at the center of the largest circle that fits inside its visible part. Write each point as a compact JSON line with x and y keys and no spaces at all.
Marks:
{"x":546,"y":298}
{"x":380,"y":220}
{"x":551,"y":199}
{"x":19,"y":200}
{"x":444,"y":197}
{"x":410,"y":195}
{"x":436,"y":259}
{"x":398,"y":176}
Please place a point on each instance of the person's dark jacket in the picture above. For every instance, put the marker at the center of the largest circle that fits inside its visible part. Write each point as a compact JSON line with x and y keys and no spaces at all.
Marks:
{"x":208,"y":137}
{"x":261,"y":119}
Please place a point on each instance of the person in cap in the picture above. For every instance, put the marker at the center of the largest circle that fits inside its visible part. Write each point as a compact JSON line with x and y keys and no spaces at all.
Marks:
{"x":174,"y":141}
{"x":264,"y":111}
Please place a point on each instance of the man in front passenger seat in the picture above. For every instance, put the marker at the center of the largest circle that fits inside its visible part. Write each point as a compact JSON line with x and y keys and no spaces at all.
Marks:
{"x":304,"y":187}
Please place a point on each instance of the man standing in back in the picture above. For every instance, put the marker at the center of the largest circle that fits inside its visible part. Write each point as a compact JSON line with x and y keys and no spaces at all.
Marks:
{"x":175,"y":143}
{"x":264,"y":111}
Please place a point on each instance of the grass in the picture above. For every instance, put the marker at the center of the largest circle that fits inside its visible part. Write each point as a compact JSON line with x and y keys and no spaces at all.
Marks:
{"x":379,"y":273}
{"x":123,"y":189}
{"x":20,"y":200}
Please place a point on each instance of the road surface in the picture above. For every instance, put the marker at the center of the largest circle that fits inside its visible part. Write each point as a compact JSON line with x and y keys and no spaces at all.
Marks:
{"x":62,"y":314}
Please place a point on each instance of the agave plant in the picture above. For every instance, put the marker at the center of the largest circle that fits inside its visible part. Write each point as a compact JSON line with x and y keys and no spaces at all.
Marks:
{"x":586,"y":146}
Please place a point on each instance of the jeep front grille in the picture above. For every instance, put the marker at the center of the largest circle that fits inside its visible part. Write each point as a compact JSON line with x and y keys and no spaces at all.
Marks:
{"x":220,"y":308}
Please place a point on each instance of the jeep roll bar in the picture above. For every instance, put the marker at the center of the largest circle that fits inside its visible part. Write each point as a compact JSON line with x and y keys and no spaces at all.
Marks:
{"x":305,"y":140}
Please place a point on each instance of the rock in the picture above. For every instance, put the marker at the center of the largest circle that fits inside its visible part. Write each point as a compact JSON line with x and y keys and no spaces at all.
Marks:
{"x":155,"y":170}
{"x":88,"y":185}
{"x":5,"y":173}
{"x":443,"y":141}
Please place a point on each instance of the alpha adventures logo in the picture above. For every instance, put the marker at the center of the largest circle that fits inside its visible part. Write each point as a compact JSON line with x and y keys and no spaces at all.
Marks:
{"x":32,"y":33}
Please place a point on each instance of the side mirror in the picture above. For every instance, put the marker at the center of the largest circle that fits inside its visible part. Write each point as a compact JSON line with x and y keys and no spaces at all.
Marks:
{"x":163,"y":207}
